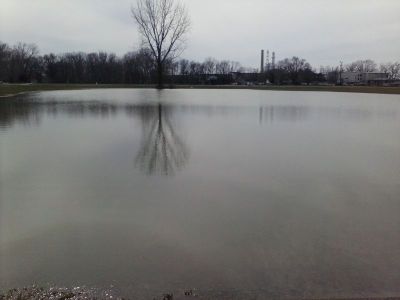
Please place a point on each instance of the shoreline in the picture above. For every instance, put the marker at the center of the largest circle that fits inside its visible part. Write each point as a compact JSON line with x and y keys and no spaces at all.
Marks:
{"x":57,"y":293}
{"x":12,"y":90}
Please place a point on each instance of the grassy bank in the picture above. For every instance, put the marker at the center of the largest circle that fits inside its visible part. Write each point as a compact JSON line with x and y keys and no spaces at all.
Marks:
{"x":13,"y":89}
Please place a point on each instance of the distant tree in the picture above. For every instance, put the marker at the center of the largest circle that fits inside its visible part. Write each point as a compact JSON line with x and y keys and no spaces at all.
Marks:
{"x":163,"y":25}
{"x":184,"y":67}
{"x":293,"y":66}
{"x":138,"y":67}
{"x":366,"y":65}
{"x":50,"y":67}
{"x":209,"y":65}
{"x":235,"y":66}
{"x":37,"y":69}
{"x":173,"y":68}
{"x":5,"y":53}
{"x":392,"y":69}
{"x":308,"y":76}
{"x":76,"y":63}
{"x":195,"y":68}
{"x":102,"y":68}
{"x":223,"y":67}
{"x":21,"y":63}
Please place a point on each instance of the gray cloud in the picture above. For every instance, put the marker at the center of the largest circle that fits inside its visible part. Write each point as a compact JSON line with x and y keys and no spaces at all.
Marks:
{"x":322,"y":31}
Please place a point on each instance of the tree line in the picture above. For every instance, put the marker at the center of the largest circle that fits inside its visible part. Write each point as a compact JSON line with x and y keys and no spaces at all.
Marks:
{"x":293,"y":70}
{"x":23,"y":63}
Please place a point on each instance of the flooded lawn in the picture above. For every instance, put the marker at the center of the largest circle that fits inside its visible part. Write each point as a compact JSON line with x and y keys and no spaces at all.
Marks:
{"x":228,"y":192}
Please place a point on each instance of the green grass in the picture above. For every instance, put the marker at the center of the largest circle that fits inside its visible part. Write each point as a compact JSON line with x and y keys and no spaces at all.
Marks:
{"x":13,"y":89}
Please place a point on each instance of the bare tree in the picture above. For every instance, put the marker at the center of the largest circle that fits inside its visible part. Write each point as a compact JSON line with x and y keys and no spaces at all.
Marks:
{"x":223,"y":67}
{"x":366,"y":65}
{"x":195,"y":68}
{"x":163,"y":25}
{"x":184,"y":67}
{"x":294,"y":66}
{"x":209,"y":65}
{"x":22,"y":60}
{"x":235,"y":66}
{"x":392,"y":69}
{"x":5,"y":52}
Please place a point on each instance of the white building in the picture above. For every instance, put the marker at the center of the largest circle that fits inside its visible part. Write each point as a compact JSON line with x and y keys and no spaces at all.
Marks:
{"x":362,"y":77}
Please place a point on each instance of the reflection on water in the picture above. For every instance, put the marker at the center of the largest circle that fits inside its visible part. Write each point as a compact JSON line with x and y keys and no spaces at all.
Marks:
{"x":29,"y":112}
{"x":283,"y":113}
{"x":273,"y":194}
{"x":162,"y":150}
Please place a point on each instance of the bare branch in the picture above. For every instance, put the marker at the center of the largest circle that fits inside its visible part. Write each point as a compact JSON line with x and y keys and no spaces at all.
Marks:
{"x":163,"y":24}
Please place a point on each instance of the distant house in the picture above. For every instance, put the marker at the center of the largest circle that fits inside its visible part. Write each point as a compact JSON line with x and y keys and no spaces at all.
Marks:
{"x":362,"y":77}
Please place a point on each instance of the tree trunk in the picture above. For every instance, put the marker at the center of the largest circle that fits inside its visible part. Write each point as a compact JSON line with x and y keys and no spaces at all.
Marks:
{"x":160,"y":75}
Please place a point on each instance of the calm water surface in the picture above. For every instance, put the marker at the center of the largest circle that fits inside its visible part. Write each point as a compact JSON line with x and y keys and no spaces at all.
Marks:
{"x":244,"y":193}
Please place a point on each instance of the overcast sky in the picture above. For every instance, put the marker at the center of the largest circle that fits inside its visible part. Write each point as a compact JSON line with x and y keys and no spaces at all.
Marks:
{"x":321,"y":31}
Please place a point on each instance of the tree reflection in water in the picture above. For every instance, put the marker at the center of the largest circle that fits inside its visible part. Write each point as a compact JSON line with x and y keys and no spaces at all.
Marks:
{"x":161,"y":151}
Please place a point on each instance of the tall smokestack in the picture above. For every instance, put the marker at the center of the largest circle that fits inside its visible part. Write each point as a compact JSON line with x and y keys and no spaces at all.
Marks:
{"x":267,"y":61}
{"x":273,"y":60}
{"x":262,"y":62}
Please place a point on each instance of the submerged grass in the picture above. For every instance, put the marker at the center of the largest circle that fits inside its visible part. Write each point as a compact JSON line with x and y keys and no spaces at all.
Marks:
{"x":14,"y":89}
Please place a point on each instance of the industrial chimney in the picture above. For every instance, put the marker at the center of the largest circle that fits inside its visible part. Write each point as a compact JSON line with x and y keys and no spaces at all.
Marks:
{"x":273,"y":60}
{"x":262,"y":62}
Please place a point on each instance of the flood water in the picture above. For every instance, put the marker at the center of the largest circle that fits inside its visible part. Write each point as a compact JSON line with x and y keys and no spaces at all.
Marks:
{"x":231,"y":192}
